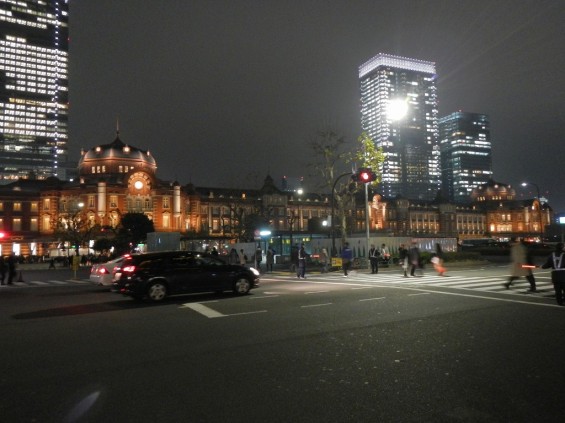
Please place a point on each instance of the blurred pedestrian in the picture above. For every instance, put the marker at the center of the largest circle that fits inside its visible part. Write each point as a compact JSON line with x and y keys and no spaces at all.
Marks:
{"x":346,"y":258}
{"x":374,"y":254}
{"x":437,"y":261}
{"x":270,"y":259}
{"x":414,"y":258}
{"x":302,"y":256}
{"x":556,"y":262}
{"x":233,"y":258}
{"x":2,"y":269}
{"x":324,"y":259}
{"x":403,"y":259}
{"x":258,"y":257}
{"x":518,"y":257}
{"x":529,"y":266}
{"x":242,"y":257}
{"x":385,"y":254}
{"x":11,"y":268}
{"x":293,"y":258}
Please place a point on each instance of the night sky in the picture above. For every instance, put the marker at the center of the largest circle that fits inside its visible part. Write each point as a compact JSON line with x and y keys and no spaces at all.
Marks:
{"x":223,"y":92}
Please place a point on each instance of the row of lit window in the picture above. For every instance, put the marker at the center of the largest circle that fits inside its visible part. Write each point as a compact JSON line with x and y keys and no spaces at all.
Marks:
{"x":30,"y":133}
{"x":33,"y":71}
{"x":27,"y":55}
{"x":52,"y":71}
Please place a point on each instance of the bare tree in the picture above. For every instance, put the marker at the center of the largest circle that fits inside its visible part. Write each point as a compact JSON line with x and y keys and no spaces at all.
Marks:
{"x":331,"y":158}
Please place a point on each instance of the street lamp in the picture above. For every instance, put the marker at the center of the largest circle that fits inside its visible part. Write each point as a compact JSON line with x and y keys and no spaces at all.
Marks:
{"x":300,"y":191}
{"x":539,"y":207}
{"x":292,"y":217}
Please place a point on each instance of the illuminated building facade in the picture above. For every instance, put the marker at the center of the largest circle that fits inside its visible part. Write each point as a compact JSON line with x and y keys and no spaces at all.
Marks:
{"x":466,"y":154}
{"x":410,"y":141}
{"x":33,"y":88}
{"x":118,"y":178}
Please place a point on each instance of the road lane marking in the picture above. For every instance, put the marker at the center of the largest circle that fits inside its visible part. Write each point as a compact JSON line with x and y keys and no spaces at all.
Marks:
{"x":419,"y":293}
{"x":455,"y":294}
{"x":264,"y":296}
{"x":314,"y":292}
{"x":248,"y":312}
{"x":202,"y":309}
{"x":212,"y":314}
{"x":316,"y":305}
{"x":372,"y":299}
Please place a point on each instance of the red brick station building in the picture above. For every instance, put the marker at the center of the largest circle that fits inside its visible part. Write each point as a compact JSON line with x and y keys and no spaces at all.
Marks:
{"x":117,"y":178}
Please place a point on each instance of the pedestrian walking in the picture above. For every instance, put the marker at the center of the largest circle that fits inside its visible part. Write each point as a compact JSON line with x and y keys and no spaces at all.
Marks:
{"x":518,"y":254}
{"x":385,"y":254}
{"x":302,"y":256}
{"x":324,"y":260}
{"x":374,"y":255}
{"x":11,"y":268}
{"x":556,"y":262}
{"x":2,"y":269}
{"x":294,"y":258}
{"x":270,"y":259}
{"x":346,"y":258}
{"x":258,"y":257}
{"x":437,"y":261}
{"x":242,"y":257}
{"x":414,"y":258}
{"x":403,"y":259}
{"x":233,"y":258}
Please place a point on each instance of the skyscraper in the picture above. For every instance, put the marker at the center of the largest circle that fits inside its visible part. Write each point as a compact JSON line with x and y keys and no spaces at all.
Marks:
{"x":409,"y":140}
{"x":33,"y":88}
{"x":466,"y":157}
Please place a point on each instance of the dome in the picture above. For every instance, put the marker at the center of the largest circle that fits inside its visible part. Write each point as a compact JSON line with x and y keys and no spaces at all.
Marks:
{"x":493,"y":190}
{"x":115,"y":158}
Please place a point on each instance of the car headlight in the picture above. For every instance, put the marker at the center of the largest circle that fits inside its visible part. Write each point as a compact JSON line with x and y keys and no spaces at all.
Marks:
{"x":254,"y":271}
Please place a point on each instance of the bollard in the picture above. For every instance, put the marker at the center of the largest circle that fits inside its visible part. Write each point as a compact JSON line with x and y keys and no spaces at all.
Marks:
{"x":20,"y":278}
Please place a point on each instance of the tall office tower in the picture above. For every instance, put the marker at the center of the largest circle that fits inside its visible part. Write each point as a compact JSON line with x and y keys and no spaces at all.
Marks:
{"x":466,"y":157}
{"x":399,"y":112}
{"x":33,"y":88}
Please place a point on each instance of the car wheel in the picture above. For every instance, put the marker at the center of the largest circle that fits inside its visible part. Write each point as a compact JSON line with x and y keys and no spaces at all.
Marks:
{"x":157,"y":291}
{"x":241,"y":286}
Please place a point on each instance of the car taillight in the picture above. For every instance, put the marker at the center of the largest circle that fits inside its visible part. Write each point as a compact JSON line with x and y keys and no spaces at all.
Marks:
{"x":102,"y":270}
{"x":128,"y":269}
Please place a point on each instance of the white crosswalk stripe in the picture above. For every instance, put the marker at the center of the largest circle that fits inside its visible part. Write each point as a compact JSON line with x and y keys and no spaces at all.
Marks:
{"x":50,"y":282}
{"x":480,"y":283}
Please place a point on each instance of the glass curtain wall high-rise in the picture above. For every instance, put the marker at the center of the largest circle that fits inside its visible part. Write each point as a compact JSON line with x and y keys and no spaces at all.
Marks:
{"x":466,"y":154}
{"x":409,"y":142}
{"x":33,"y":88}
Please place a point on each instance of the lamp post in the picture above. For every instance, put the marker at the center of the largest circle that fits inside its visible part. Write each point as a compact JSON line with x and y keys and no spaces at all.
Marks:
{"x":300,"y":191}
{"x":292,"y":217}
{"x":539,"y":207}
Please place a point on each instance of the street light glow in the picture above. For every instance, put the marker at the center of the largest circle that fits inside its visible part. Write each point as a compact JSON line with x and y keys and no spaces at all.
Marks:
{"x":396,"y":109}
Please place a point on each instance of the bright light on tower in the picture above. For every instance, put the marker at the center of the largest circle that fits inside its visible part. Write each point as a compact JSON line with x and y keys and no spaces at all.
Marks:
{"x":397,"y":109}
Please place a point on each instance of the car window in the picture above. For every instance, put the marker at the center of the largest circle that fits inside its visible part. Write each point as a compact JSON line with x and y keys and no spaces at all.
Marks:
{"x":151,"y":263}
{"x":183,"y":262}
{"x":210,"y":261}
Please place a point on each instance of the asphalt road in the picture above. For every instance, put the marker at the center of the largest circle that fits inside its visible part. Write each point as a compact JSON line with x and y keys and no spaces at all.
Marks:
{"x":328,"y":349}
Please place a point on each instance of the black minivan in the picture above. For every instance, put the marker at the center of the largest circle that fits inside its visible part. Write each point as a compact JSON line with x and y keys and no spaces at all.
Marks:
{"x":159,"y":274}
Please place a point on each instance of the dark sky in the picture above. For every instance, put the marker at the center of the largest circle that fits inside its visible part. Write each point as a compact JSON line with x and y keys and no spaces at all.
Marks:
{"x":223,"y":92}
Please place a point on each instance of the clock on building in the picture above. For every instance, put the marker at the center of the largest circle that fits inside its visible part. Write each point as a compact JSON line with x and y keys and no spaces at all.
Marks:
{"x":139,"y":183}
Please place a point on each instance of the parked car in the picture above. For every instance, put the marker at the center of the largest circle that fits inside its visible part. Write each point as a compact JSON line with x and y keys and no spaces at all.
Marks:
{"x":103,"y":273}
{"x":157,"y":275}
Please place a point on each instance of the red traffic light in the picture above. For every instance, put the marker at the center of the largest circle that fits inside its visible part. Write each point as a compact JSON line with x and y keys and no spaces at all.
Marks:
{"x":364,"y":175}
